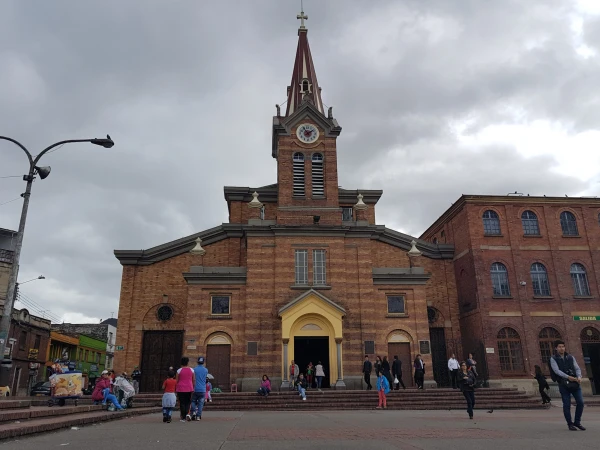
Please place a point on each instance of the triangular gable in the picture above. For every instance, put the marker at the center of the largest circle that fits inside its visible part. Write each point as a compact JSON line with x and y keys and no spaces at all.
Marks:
{"x":311,"y":293}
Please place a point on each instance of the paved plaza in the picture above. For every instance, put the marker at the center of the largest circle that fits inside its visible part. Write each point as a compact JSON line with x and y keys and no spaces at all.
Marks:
{"x":540,"y":429}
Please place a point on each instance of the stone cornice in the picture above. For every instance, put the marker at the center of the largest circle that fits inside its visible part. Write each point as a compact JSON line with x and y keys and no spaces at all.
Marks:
{"x":226,"y":231}
{"x":216,"y":275}
{"x":397,"y":276}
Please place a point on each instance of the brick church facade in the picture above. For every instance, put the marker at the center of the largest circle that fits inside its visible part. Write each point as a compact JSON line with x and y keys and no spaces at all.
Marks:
{"x":302,"y":271}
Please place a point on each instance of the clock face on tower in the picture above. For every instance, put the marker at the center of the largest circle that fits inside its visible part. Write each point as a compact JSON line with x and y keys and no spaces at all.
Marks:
{"x":307,"y":133}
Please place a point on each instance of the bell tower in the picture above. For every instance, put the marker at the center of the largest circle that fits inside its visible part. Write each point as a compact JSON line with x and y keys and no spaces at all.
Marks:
{"x":304,"y":145}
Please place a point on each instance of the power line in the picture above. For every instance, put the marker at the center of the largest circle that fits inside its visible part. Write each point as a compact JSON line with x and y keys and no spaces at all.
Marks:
{"x":12,"y":176}
{"x":10,"y":201}
{"x":38,"y":306}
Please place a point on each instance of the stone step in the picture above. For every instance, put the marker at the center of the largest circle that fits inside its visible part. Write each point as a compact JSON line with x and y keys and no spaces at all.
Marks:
{"x":14,"y":404}
{"x":45,"y":424}
{"x":40,"y":411}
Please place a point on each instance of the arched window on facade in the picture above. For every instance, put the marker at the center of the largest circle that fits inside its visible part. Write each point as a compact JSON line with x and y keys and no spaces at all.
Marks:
{"x":298,"y":169}
{"x":491,"y":223}
{"x":500,"y":284}
{"x":568,"y":224}
{"x":510,"y":352}
{"x":546,"y":338}
{"x":318,"y":182}
{"x":539,"y":280}
{"x":530,"y":223}
{"x":581,"y":288}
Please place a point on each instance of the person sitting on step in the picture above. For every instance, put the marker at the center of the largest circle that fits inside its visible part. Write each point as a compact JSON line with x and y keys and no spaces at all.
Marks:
{"x":301,"y":385}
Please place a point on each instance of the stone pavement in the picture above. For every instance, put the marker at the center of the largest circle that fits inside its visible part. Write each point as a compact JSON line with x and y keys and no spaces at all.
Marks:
{"x":516,"y":429}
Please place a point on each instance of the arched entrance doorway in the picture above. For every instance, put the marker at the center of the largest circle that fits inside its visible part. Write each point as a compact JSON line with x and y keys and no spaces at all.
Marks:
{"x":399,"y":343}
{"x":311,"y":330}
{"x":590,"y":346}
{"x":218,"y":360}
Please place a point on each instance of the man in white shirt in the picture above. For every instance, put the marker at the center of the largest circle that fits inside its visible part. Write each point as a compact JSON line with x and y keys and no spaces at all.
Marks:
{"x":453,"y":367}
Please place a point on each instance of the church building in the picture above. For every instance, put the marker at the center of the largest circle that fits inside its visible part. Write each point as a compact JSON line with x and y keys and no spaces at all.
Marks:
{"x":303,"y":272}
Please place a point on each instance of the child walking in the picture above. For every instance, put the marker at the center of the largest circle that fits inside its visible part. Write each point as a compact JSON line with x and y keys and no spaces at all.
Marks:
{"x":169,"y":399}
{"x":542,"y":384}
{"x":383,"y":388}
{"x":208,"y":397}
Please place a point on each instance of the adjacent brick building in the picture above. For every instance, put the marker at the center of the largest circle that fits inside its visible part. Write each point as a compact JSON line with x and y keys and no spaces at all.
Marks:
{"x":527,"y":272}
{"x":302,"y":271}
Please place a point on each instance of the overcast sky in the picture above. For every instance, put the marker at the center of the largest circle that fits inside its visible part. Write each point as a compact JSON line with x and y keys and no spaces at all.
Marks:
{"x":437,"y":98}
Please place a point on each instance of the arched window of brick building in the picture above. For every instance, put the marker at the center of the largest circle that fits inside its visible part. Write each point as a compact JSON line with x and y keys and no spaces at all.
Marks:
{"x":530,"y":223}
{"x":539,"y":280}
{"x":581,"y":288}
{"x":568,"y":223}
{"x":298,"y":169}
{"x":510,"y":351}
{"x":500,"y":280}
{"x":491,"y":223}
{"x":590,"y":335}
{"x":318,"y":181}
{"x":547,"y":337}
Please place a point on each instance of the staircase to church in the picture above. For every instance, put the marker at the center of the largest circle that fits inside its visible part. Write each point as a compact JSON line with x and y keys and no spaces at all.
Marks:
{"x":410,"y":399}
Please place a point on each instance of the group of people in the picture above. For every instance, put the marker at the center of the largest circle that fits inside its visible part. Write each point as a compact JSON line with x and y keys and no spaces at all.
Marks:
{"x":392,"y":372}
{"x":314,"y":376}
{"x":188,"y":385}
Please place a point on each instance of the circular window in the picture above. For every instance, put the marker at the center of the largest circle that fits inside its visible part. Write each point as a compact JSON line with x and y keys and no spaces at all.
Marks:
{"x":164,"y":313}
{"x":431,"y":314}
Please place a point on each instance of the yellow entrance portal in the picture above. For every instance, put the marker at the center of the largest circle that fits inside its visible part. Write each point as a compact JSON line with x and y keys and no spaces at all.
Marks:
{"x":313,"y":315}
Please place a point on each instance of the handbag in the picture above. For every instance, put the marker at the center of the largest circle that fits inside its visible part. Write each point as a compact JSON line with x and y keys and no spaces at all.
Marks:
{"x":396,"y":380}
{"x":572,"y":386}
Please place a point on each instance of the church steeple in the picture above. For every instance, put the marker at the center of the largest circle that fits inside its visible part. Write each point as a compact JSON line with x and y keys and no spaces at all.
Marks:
{"x":304,"y":85}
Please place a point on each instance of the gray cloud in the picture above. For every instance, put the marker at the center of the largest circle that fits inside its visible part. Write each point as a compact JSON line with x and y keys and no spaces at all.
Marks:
{"x":187,"y":90}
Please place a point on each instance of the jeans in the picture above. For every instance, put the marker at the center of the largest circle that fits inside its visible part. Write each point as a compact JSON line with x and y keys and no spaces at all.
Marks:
{"x":184,"y":403}
{"x":302,"y":391}
{"x":382,"y":399}
{"x":198,"y":403}
{"x":368,"y":380}
{"x":263,"y":391}
{"x":470,"y":397}
{"x":167,"y":412}
{"x":111,"y":398}
{"x":319,"y":381}
{"x":566,"y":399}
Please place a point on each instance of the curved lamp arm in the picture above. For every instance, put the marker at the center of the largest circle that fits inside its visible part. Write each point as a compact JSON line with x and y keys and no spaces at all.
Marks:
{"x":31,"y":162}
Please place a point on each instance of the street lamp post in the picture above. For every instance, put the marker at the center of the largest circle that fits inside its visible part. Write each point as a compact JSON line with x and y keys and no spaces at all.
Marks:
{"x":43,"y":172}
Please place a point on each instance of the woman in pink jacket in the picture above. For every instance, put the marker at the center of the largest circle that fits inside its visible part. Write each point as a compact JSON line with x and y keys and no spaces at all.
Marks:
{"x":102,"y":391}
{"x":265,"y":386}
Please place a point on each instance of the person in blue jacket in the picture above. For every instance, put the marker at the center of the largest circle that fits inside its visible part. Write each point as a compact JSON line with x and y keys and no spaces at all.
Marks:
{"x":383,"y":388}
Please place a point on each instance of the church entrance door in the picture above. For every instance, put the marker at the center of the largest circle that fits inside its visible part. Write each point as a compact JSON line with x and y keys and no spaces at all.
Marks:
{"x":313,"y":349}
{"x":402,"y":351}
{"x":218,"y":360}
{"x":439,"y":356}
{"x":160,"y":349}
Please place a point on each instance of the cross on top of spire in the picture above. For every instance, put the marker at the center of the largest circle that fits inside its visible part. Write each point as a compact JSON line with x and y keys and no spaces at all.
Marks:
{"x":302,"y":17}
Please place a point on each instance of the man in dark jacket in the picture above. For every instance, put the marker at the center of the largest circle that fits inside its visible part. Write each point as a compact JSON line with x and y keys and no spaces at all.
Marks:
{"x":367,"y":368}
{"x":568,"y":374}
{"x":397,"y":373}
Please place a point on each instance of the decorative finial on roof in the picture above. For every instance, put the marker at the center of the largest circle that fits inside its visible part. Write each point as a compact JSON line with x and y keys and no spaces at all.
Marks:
{"x":198,"y":250}
{"x":360,"y":204}
{"x":254,"y":203}
{"x":302,"y":17}
{"x":414,"y":251}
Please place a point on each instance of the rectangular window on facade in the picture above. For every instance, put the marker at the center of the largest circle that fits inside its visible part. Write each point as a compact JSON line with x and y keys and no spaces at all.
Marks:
{"x":395,"y":304}
{"x":252,"y":348}
{"x":301,"y":266}
{"x":37,"y":342}
{"x":80,"y":355}
{"x":220,"y":305}
{"x":23,"y":340}
{"x":347,"y":214}
{"x":97,"y":358}
{"x":85,"y":356}
{"x":369,"y":347}
{"x":319,"y":275}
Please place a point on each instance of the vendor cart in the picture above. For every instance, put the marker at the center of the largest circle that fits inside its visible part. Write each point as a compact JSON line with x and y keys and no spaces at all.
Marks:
{"x":65,"y":386}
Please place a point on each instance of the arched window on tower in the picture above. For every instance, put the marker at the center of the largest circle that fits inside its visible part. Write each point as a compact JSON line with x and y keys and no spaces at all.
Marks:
{"x":318,"y":182}
{"x":298,"y":169}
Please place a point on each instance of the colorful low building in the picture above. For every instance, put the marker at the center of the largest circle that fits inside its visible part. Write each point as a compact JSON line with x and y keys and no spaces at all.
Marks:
{"x":91,"y":356}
